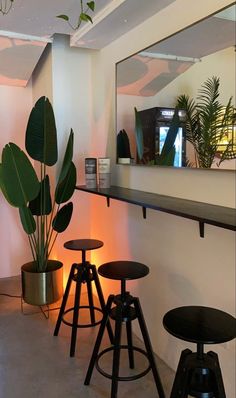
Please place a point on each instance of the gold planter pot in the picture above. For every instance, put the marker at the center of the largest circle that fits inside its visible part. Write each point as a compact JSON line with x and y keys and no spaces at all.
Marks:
{"x":41,"y":288}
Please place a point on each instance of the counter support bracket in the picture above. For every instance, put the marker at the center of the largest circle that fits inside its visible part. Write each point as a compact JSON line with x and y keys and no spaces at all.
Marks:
{"x":202,"y":229}
{"x":144,"y":212}
{"x":203,"y":213}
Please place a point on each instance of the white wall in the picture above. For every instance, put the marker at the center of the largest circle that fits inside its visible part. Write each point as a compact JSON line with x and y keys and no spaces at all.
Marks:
{"x":64,"y":75}
{"x":42,"y":79}
{"x":191,"y":81}
{"x":184,"y":269}
{"x":15,"y":106}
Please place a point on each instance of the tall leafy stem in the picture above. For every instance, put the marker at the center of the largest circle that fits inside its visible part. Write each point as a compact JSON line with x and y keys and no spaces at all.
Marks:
{"x":207,"y":121}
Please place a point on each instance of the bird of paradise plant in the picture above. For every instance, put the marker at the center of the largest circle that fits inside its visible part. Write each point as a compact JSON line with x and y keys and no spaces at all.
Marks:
{"x":43,"y":215}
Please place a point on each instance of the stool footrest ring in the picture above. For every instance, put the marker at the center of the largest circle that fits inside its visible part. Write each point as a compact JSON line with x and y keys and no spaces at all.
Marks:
{"x":122,"y":378}
{"x":87,"y":325}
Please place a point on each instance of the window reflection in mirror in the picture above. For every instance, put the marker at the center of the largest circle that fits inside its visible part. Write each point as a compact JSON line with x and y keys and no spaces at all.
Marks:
{"x":196,"y":64}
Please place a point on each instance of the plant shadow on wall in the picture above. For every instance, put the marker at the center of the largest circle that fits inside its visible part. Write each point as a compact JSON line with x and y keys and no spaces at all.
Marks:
{"x":210,"y":126}
{"x":43,"y":215}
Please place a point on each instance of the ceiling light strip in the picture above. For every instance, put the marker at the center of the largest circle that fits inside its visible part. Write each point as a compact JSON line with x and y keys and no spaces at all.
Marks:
{"x":21,"y":36}
{"x":168,"y":57}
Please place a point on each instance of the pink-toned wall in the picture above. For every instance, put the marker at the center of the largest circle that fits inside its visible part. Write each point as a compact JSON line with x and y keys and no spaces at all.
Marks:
{"x":184,"y":269}
{"x":15,"y":106}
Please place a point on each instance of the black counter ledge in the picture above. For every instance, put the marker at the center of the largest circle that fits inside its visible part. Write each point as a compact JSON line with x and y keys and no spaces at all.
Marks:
{"x":204,"y":213}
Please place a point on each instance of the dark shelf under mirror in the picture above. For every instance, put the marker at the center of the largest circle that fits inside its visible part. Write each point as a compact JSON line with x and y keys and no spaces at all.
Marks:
{"x":204,"y":213}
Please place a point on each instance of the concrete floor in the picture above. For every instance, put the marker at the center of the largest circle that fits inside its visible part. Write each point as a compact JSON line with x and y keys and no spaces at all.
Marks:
{"x":34,"y":364}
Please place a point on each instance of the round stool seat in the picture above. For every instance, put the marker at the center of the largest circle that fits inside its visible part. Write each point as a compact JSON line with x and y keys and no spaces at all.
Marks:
{"x":123,"y":270}
{"x":199,"y":324}
{"x":83,"y":244}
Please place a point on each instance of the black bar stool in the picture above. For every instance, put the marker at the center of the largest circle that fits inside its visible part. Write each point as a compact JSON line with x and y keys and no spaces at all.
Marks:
{"x":82,"y":273}
{"x":126,"y":308}
{"x":199,"y":374}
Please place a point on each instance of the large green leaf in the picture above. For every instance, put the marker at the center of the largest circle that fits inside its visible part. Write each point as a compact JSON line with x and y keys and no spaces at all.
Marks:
{"x":27,"y":220}
{"x":123,"y":145}
{"x":63,"y":16}
{"x":67,"y":157}
{"x":85,"y":17}
{"x":42,"y":204}
{"x":18,"y":175}
{"x":139,"y":134}
{"x":63,"y":217}
{"x":65,"y":189}
{"x":91,"y":5}
{"x":168,"y":159}
{"x":167,"y":155}
{"x":41,"y":134}
{"x":2,"y":187}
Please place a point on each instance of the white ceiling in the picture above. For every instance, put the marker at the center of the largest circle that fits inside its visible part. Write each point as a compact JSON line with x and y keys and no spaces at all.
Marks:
{"x":116,"y":19}
{"x":38,"y":17}
{"x":149,"y":71}
{"x":29,"y":23}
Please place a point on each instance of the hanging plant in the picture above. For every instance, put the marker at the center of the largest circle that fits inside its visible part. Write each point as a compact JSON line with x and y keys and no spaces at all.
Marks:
{"x":5,"y":6}
{"x":83,"y":17}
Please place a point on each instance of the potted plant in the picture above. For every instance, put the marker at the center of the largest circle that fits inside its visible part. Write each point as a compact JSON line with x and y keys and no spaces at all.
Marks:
{"x":123,"y":147}
{"x":43,"y":215}
{"x":208,"y":124}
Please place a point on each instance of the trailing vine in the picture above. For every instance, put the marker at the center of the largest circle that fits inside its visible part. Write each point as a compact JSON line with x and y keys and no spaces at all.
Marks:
{"x":83,"y":16}
{"x":5,"y":6}
{"x":85,"y":9}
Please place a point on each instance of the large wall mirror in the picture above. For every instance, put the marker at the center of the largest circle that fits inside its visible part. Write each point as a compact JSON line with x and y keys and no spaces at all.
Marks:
{"x":176,"y":99}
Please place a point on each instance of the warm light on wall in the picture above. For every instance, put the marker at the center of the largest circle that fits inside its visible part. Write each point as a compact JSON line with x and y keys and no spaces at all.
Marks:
{"x":67,"y":259}
{"x":228,"y":140}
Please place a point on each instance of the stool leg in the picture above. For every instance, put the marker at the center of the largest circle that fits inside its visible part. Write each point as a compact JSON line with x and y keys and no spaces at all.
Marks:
{"x":148,"y":346}
{"x":102,"y":301}
{"x":116,"y":354}
{"x":76,"y":312}
{"x":220,"y":390}
{"x":181,"y":381}
{"x":130,"y":344}
{"x":90,"y":297}
{"x":64,"y":300}
{"x":106,"y":312}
